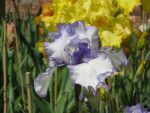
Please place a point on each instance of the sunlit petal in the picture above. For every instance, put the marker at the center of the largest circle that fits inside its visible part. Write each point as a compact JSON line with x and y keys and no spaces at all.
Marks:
{"x":72,"y":43}
{"x":92,"y":73}
{"x":118,"y":58}
{"x":41,"y":82}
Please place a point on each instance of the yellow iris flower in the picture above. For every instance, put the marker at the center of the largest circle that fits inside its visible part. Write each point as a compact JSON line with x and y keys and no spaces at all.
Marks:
{"x":104,"y":14}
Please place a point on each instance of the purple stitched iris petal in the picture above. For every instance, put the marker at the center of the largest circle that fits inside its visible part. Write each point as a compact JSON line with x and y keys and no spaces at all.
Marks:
{"x":60,"y":27}
{"x":57,"y":34}
{"x":80,"y":50}
{"x":48,"y":51}
{"x":127,"y":110}
{"x":92,"y":73}
{"x":136,"y":109}
{"x":81,"y":53}
{"x":72,"y":43}
{"x":79,"y":26}
{"x":70,"y":30}
{"x":53,"y":36}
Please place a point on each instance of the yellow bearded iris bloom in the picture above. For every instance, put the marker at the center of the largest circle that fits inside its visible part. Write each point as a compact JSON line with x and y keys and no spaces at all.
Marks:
{"x":113,"y":26}
{"x":116,"y":30}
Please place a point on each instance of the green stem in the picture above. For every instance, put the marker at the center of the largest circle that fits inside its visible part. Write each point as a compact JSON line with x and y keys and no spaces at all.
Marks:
{"x":117,"y":103}
{"x":5,"y":68}
{"x":101,"y":107}
{"x":55,"y":101}
{"x":51,"y":94}
{"x":28,"y":83}
{"x":19,"y":70}
{"x":77,"y":90}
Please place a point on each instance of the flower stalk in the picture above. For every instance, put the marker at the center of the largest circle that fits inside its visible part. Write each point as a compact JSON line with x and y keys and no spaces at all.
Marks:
{"x":55,"y":101}
{"x":5,"y":68}
{"x":19,"y":70}
{"x":28,"y":84}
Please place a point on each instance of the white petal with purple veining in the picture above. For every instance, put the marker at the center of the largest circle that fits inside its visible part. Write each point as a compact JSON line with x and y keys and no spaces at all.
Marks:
{"x":118,"y":58}
{"x":41,"y":82}
{"x":66,"y":42}
{"x":57,"y":49}
{"x":86,"y":74}
{"x":136,"y":109}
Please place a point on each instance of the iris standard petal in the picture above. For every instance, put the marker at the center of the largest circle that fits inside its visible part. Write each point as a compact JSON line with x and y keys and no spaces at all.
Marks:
{"x":72,"y":43}
{"x":90,"y":73}
{"x":79,"y":50}
{"x":79,"y":27}
{"x":41,"y":82}
{"x":55,"y":50}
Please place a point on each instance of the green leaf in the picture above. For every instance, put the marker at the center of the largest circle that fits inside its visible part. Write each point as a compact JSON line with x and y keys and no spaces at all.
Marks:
{"x":17,"y":104}
{"x":61,"y":103}
{"x":42,"y":104}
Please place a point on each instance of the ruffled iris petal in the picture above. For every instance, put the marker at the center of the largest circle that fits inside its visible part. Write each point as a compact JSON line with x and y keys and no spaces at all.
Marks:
{"x":118,"y":58}
{"x":41,"y":82}
{"x":56,"y":51}
{"x":79,"y":50}
{"x":93,"y":73}
{"x":72,"y":43}
{"x":136,"y":109}
{"x":79,"y":27}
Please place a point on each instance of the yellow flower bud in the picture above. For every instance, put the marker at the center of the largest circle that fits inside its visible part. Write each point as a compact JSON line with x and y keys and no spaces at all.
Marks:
{"x":103,"y":93}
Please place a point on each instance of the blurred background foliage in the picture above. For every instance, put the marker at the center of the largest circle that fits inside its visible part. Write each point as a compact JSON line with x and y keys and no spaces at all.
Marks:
{"x":128,"y":88}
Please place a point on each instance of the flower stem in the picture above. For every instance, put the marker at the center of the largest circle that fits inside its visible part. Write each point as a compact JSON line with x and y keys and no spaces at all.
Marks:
{"x":77,"y":90}
{"x":55,"y":101}
{"x":19,"y":70}
{"x":51,"y":95}
{"x":117,"y":103}
{"x":5,"y":68}
{"x":101,"y":106}
{"x":28,"y":83}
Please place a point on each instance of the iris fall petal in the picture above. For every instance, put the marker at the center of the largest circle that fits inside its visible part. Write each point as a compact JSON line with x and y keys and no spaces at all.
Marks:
{"x":41,"y":82}
{"x":93,"y":73}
